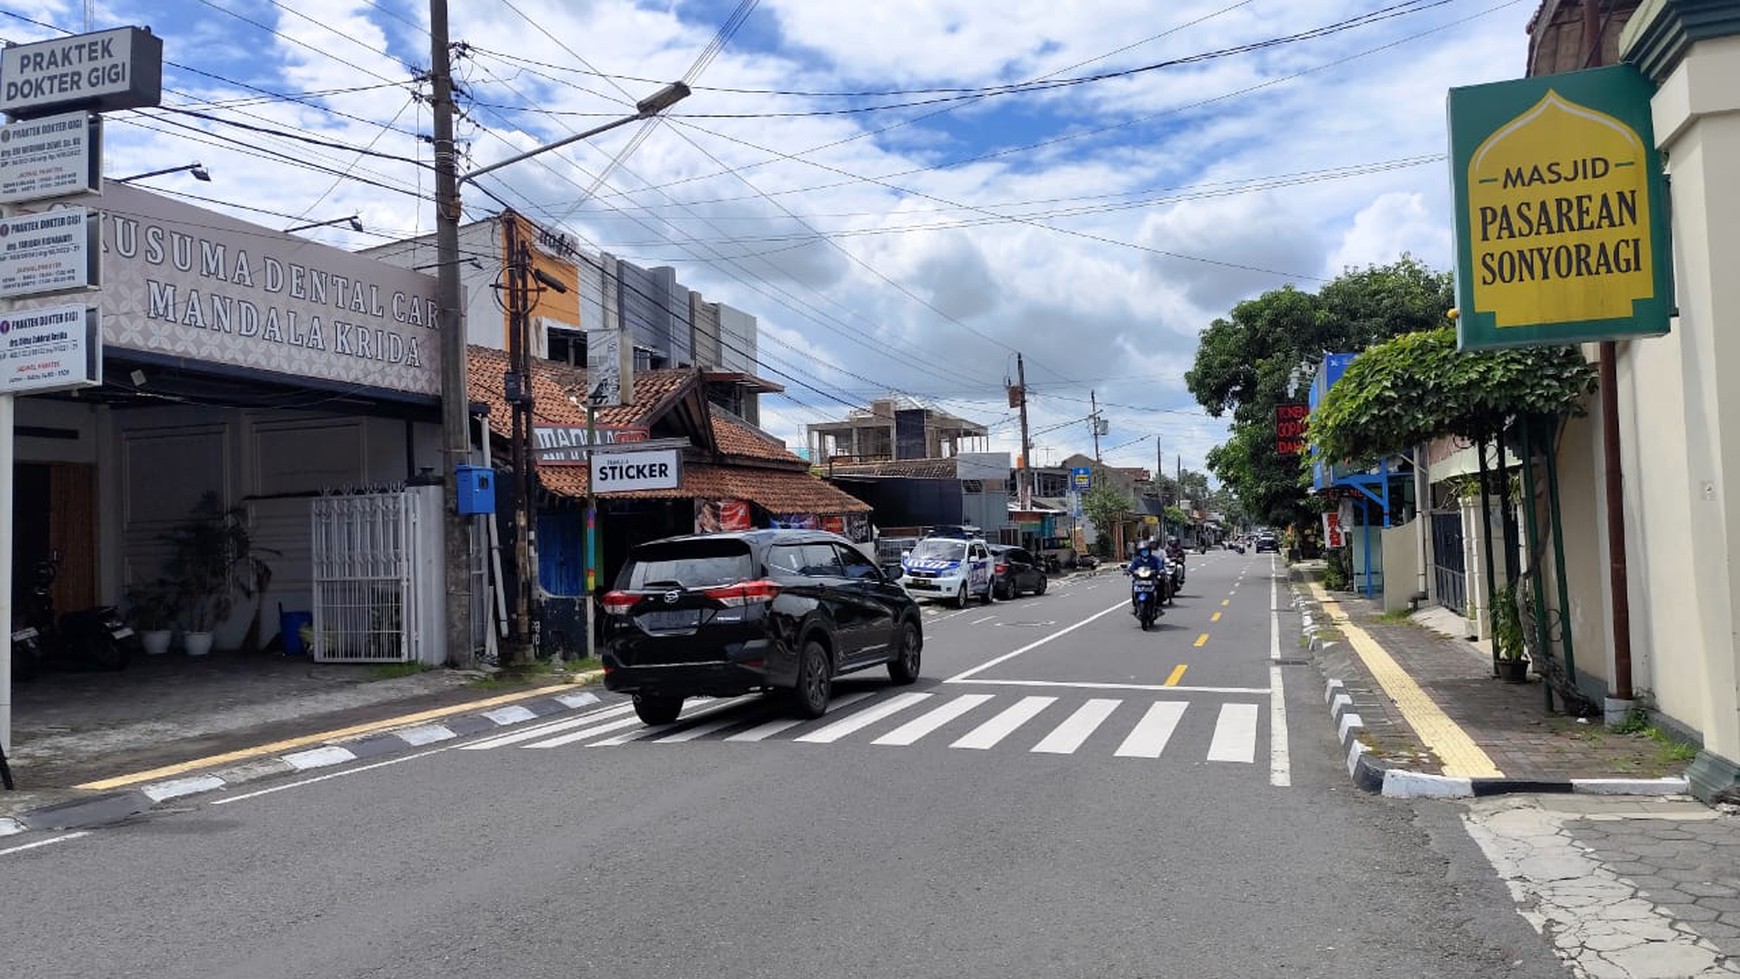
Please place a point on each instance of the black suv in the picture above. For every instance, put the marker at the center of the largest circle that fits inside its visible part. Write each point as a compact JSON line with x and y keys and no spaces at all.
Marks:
{"x":724,"y":614}
{"x":1014,"y":571}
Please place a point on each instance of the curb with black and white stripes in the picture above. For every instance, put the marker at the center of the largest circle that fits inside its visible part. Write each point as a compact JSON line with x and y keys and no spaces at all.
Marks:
{"x":112,"y":806}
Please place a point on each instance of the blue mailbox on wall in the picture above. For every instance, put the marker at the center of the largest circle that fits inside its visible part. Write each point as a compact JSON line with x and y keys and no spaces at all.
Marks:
{"x":476,"y":489}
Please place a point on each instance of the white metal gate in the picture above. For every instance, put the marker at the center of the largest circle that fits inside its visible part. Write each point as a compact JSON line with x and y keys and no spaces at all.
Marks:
{"x":364,"y":561}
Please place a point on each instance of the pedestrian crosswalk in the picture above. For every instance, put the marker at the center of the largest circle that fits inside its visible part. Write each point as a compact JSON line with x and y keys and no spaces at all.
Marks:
{"x":1038,"y":724}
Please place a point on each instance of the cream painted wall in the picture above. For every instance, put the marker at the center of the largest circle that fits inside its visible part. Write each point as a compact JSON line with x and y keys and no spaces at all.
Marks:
{"x":1584,"y":527}
{"x":1681,"y":417}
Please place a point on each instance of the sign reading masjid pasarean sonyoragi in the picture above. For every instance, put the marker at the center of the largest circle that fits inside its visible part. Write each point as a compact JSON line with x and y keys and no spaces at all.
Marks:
{"x":1561,"y":220}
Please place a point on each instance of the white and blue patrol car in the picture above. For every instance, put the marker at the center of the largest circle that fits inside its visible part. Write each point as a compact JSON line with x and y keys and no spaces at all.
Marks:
{"x":948,"y":569}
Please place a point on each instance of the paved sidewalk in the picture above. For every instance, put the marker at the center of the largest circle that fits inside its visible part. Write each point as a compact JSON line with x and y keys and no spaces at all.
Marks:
{"x":1620,"y":888}
{"x":1421,"y":714}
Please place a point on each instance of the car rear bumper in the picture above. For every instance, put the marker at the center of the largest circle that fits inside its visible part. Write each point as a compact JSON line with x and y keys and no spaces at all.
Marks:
{"x":748,"y":666}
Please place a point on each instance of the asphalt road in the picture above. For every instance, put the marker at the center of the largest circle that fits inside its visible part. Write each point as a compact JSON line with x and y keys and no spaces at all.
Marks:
{"x":1061,"y":795}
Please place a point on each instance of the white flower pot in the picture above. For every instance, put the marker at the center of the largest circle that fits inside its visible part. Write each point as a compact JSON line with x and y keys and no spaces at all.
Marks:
{"x":196,"y":643}
{"x":156,"y":641}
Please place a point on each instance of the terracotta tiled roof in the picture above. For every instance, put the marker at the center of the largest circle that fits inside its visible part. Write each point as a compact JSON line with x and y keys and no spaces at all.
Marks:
{"x":911,"y":468}
{"x":777,"y":490}
{"x":739,"y":439}
{"x":552,"y":383}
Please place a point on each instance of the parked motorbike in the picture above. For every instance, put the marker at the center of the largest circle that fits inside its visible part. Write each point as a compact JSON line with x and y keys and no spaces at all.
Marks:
{"x":96,"y":638}
{"x":1145,"y":596}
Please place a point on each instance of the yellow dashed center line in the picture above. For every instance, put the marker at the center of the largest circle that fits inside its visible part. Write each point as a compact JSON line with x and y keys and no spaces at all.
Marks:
{"x":1459,"y":752}
{"x":1215,"y":617}
{"x":1177,"y":675}
{"x":1225,"y":601}
{"x":1202,"y":640}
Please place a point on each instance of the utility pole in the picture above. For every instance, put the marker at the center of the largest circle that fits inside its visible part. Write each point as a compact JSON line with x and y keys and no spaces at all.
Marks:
{"x":519,"y":396}
{"x":1095,"y":422}
{"x":450,"y":321}
{"x":1023,"y":476}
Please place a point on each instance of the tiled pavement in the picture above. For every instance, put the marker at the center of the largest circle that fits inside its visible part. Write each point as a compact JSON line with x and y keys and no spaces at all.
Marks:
{"x":1508,"y":721}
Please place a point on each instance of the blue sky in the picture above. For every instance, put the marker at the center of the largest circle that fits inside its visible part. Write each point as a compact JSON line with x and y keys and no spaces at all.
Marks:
{"x":1094,"y":227}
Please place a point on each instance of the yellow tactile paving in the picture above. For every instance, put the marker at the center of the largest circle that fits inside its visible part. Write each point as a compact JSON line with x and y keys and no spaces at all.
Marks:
{"x":1462,"y":758}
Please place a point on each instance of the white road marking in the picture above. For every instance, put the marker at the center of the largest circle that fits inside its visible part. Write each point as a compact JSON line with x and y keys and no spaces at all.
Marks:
{"x":419,"y":736}
{"x":1036,"y":643}
{"x":552,"y":727}
{"x":1235,"y":734}
{"x":920,"y":726}
{"x":1152,"y":732}
{"x":1095,"y":685}
{"x":762,"y":732}
{"x":997,"y":728}
{"x":328,"y":754}
{"x":591,"y":731}
{"x":41,"y":843}
{"x":863,"y":719}
{"x":982,"y":621}
{"x":511,"y":714}
{"x":1280,"y":765}
{"x":322,"y":778}
{"x":698,"y":731}
{"x":693,"y":713}
{"x":1068,"y":736}
{"x":175,"y":788}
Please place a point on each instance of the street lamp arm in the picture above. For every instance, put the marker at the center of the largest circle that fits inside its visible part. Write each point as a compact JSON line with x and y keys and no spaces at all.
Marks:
{"x":646,"y":108}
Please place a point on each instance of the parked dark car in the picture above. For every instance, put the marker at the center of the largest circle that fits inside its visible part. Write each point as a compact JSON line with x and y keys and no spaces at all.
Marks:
{"x":724,"y":614}
{"x":1268,"y":542}
{"x":1014,"y":570}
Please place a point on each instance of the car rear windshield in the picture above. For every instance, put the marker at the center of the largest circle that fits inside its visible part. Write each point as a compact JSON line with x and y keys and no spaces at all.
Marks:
{"x":689,"y":564}
{"x":940,"y":550}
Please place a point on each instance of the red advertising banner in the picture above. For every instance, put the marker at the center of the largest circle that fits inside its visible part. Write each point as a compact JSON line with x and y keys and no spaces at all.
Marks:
{"x":1290,"y":427}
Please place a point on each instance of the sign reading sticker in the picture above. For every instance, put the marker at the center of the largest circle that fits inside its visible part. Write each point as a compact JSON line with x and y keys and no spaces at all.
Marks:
{"x":1561,"y":217}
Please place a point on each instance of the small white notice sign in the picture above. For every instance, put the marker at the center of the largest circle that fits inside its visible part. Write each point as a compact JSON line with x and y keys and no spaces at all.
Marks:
{"x":50,"y":348}
{"x":54,"y":156}
{"x":47,"y":252}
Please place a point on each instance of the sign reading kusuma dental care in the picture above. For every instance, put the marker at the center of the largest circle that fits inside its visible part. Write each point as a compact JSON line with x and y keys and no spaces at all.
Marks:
{"x":185,"y":282}
{"x":54,"y":156}
{"x":50,"y":348}
{"x":1561,"y":211}
{"x":653,"y":469}
{"x":100,"y":71}
{"x":46,"y":252}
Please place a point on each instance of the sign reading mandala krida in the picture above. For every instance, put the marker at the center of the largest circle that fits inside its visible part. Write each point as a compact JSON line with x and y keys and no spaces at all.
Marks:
{"x":1561,"y":210}
{"x":196,"y":285}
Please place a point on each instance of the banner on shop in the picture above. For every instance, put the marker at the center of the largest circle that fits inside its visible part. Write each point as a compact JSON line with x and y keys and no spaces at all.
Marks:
{"x":718,"y":516}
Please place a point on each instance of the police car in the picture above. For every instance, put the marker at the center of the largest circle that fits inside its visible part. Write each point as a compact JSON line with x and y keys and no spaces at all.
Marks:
{"x":948,"y":568}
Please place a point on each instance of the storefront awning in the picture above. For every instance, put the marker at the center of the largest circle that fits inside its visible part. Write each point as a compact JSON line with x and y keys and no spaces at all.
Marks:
{"x":775,"y":490}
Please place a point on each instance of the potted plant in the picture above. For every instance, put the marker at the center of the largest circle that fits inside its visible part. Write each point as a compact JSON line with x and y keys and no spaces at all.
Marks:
{"x":212,"y":559}
{"x":1507,"y":636}
{"x":153,"y":609}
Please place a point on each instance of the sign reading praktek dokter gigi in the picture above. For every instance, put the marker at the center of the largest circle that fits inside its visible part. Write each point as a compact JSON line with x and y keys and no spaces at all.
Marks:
{"x":102,"y":71}
{"x":1561,"y":211}
{"x":1290,"y":422}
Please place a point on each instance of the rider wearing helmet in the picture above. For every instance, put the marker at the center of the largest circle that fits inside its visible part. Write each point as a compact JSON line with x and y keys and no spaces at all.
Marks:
{"x":1174,"y":550}
{"x":1145,"y":556}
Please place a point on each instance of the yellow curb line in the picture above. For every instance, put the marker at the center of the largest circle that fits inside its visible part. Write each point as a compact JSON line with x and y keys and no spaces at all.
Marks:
{"x":275,"y":747}
{"x":1462,"y":758}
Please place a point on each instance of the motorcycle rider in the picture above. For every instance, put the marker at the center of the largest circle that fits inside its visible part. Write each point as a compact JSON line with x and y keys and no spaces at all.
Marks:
{"x":1145,"y":558}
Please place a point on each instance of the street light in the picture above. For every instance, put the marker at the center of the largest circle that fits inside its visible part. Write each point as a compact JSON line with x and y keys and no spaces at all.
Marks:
{"x":355,"y":224}
{"x":449,"y":188}
{"x":199,"y":173}
{"x":646,"y":108}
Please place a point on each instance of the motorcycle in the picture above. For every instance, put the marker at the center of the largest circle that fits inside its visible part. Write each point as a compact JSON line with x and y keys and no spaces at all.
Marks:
{"x":1145,"y":596}
{"x":96,"y":637}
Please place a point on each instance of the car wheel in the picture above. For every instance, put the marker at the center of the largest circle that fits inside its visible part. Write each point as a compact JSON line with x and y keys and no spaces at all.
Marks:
{"x":657,"y":711}
{"x":815,"y":681}
{"x":961,"y":596}
{"x":990,"y":592}
{"x":903,"y":668}
{"x":1039,"y":589}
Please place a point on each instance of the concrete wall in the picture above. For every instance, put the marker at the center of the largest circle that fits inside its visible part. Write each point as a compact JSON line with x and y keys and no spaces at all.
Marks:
{"x":1401,"y":553}
{"x":1584,"y":524}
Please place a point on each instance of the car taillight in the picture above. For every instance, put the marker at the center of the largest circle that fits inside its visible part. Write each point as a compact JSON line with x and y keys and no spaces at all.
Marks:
{"x":619,"y":602}
{"x":744,"y":593}
{"x":1002,"y":569}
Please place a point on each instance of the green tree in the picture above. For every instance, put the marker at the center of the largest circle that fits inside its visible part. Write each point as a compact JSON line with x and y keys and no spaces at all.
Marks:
{"x":1418,"y":387}
{"x":1106,"y":507}
{"x":1266,"y":350}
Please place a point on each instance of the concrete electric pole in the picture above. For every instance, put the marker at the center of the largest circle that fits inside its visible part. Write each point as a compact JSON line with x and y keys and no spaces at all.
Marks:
{"x":1024,"y":475}
{"x":450,"y":321}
